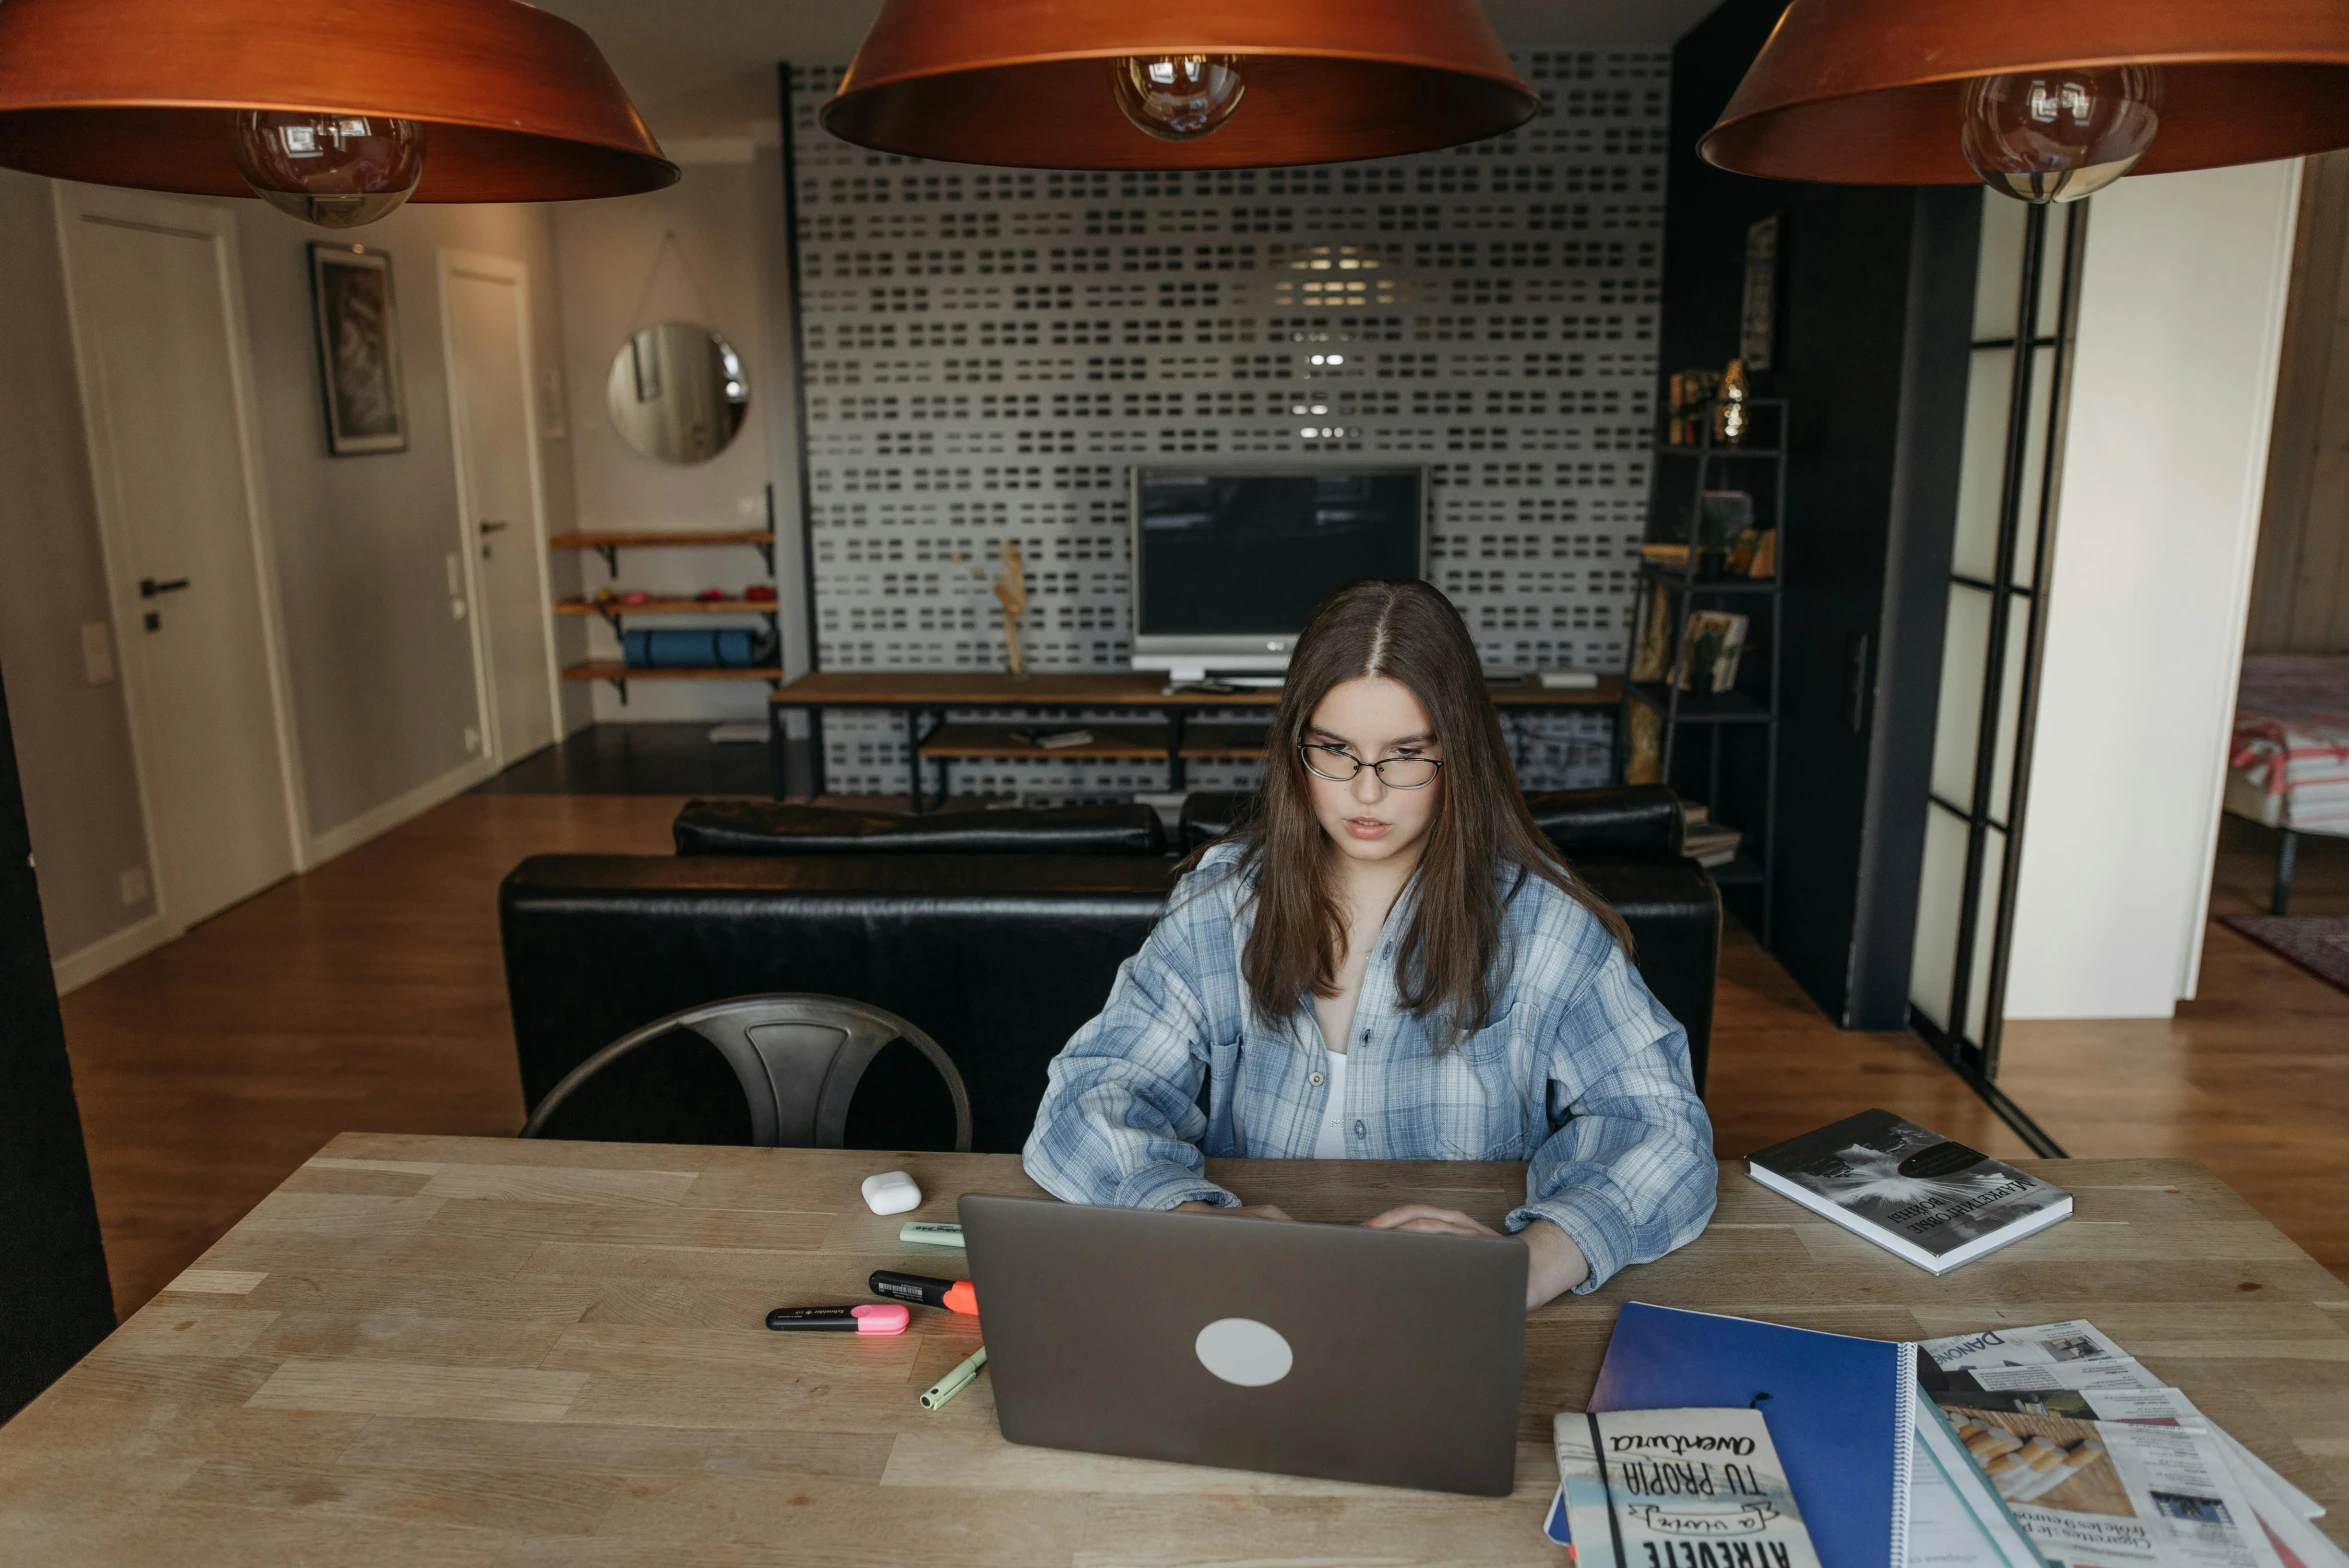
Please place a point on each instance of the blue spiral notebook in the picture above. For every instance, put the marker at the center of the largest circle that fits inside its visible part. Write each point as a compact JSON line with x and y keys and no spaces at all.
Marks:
{"x":1841,"y":1411}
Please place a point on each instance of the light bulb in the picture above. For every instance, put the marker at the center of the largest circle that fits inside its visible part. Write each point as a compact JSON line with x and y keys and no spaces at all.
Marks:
{"x":2057,"y":135}
{"x":1177,"y":98}
{"x":337,"y":171}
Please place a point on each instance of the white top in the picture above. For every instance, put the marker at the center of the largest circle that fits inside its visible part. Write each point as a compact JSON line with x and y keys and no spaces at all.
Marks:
{"x":1330,"y":1143}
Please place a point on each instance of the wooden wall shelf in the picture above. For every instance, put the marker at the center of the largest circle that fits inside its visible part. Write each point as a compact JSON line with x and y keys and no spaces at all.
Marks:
{"x":609,"y":543}
{"x":667,"y":607}
{"x":621,"y":674}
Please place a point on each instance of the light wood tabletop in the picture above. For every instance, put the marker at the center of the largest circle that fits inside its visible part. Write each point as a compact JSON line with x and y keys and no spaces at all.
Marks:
{"x":471,"y":1350}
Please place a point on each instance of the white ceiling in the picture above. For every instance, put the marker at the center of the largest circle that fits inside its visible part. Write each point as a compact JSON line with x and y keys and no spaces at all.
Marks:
{"x":705,"y":68}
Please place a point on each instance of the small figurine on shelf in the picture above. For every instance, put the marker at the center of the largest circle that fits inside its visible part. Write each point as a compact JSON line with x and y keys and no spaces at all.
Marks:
{"x":1688,"y":392}
{"x":1729,"y":415}
{"x":1011,"y":586}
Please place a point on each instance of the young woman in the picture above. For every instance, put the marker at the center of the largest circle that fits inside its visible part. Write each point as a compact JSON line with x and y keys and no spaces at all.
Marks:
{"x":1389,"y":961}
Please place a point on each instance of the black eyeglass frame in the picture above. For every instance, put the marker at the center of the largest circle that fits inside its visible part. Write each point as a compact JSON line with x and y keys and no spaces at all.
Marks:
{"x":1379,"y":767}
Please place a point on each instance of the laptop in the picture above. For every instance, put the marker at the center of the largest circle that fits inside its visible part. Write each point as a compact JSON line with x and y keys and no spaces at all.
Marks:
{"x":1323,"y":1350}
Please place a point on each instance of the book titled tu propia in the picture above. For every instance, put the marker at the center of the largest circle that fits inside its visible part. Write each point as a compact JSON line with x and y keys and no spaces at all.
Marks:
{"x":1916,"y":1194}
{"x":1678,"y":1489}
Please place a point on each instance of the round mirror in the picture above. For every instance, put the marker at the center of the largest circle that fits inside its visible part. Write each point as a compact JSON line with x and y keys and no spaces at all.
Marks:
{"x":677,"y":392}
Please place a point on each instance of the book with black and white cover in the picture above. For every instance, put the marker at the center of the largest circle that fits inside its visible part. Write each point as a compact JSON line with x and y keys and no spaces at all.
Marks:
{"x":1678,"y":1489}
{"x":1922,"y":1197}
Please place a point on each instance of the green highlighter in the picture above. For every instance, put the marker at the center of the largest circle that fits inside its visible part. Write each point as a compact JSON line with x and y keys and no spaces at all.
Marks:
{"x":955,"y":1381}
{"x":930,"y":1233}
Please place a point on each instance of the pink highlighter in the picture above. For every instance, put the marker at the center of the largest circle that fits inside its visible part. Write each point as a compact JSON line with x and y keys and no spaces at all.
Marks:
{"x":882,"y":1317}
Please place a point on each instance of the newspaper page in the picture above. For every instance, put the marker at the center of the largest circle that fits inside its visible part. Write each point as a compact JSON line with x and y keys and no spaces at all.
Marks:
{"x":2116,"y":1494}
{"x":1956,"y":1518}
{"x":1943,"y":1532}
{"x":2117,"y":1376}
{"x":2282,"y":1509}
{"x":2044,"y":1344}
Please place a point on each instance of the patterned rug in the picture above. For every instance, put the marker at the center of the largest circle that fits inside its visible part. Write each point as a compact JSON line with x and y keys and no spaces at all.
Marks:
{"x":2317,"y":943}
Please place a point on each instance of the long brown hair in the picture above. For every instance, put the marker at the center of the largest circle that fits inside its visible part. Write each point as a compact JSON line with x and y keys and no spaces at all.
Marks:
{"x":1407,"y":631}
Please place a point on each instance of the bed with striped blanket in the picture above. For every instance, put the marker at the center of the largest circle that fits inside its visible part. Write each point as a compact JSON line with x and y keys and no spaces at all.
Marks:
{"x":2288,"y":765}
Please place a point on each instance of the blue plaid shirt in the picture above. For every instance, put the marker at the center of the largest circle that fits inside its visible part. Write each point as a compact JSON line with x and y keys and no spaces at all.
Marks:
{"x":1578,"y":1071}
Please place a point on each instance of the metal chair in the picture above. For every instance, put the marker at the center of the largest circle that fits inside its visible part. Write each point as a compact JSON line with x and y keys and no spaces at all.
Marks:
{"x":799,"y":1059}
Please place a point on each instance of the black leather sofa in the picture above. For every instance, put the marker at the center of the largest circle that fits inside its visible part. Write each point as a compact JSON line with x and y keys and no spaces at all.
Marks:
{"x":999,"y":951}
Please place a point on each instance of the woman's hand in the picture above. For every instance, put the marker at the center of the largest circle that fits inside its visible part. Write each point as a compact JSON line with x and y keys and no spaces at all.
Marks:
{"x":1556,"y":1265}
{"x":1254,"y":1211}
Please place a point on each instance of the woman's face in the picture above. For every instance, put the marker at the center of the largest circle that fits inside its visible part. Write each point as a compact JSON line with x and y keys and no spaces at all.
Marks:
{"x":1372,"y":719}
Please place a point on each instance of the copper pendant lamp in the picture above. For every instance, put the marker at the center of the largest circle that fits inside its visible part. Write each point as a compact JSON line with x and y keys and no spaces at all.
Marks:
{"x":2044,"y":99}
{"x":1182,"y":84}
{"x":332,"y":109}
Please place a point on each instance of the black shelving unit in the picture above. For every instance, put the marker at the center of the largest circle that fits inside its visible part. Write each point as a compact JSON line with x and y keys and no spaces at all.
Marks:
{"x":1756,"y":465}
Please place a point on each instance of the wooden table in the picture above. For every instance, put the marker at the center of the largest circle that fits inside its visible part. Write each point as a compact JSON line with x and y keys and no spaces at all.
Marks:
{"x":925,"y":696}
{"x":471,"y":1350}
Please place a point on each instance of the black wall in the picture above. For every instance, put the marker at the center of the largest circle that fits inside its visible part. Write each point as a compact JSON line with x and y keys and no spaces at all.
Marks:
{"x":1874,"y":315}
{"x":54,"y":1301}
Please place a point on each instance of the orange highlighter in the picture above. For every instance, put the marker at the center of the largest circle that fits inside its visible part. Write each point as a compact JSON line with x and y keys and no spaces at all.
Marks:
{"x":955,"y":1295}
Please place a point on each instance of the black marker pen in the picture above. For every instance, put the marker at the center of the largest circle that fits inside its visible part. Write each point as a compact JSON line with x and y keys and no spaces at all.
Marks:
{"x":955,"y":1295}
{"x":872,"y":1318}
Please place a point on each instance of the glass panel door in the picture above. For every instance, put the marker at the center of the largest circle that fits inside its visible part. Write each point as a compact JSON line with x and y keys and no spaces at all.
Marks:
{"x":2026,"y":292}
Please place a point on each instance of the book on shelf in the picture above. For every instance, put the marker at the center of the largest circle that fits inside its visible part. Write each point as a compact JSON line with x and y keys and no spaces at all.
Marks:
{"x":1918,"y":1195}
{"x":1652,"y":651}
{"x":1711,"y":646}
{"x":1710,"y":845}
{"x":1753,"y":553}
{"x":1054,"y":739}
{"x":1703,"y":840}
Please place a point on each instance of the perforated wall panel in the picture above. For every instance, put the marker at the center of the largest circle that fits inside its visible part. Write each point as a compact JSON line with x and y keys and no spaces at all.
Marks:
{"x":985,"y":353}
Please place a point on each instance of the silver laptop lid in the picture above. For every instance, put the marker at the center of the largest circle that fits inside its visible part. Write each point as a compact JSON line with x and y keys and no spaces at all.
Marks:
{"x":1324,"y":1350}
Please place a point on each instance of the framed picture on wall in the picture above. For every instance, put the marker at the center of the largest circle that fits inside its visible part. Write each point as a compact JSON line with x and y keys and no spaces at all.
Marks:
{"x":358,"y":350}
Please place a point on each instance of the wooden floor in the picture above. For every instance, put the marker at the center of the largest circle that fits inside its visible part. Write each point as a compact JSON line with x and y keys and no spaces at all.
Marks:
{"x":370,"y":996}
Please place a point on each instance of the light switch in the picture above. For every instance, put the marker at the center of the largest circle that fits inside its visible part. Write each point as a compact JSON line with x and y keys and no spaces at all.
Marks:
{"x":97,"y":652}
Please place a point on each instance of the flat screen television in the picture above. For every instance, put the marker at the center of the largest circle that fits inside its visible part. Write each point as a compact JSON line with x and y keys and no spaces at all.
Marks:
{"x":1229,"y":564}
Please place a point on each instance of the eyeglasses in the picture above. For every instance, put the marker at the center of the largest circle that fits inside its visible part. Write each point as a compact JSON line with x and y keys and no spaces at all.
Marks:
{"x":1339,"y":765}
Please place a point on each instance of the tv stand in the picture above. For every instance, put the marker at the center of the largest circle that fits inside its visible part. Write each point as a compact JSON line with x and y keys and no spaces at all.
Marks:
{"x":926,"y":697}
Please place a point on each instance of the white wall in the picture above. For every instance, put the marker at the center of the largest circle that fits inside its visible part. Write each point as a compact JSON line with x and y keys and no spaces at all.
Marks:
{"x":72,"y":738}
{"x":2180,"y":327}
{"x":382,"y":675}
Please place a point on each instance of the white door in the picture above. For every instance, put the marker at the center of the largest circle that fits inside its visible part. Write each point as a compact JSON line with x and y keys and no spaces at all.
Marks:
{"x":486,"y":310}
{"x":159,"y":337}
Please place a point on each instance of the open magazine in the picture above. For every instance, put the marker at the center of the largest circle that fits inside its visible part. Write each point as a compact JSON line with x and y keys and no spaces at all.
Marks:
{"x":2103,"y":1465}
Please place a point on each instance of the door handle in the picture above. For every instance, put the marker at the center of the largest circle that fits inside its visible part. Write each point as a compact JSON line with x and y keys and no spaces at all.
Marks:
{"x":1855,"y":691}
{"x":488,"y":527}
{"x":149,"y":587}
